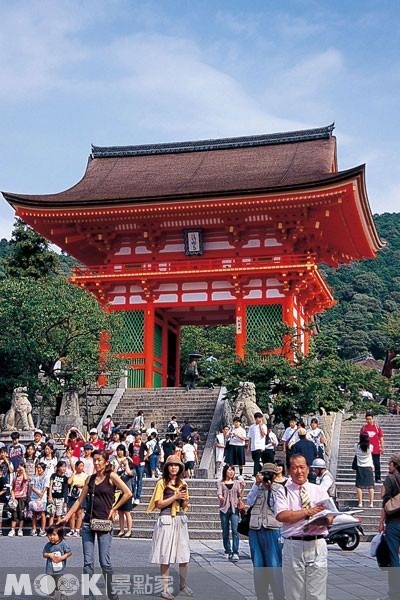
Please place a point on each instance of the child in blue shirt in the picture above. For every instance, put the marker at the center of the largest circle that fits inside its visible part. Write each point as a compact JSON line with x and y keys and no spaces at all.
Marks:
{"x":56,"y":552}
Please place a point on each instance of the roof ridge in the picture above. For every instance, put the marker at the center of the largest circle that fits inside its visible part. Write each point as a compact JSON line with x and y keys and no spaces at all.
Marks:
{"x":267,"y":139}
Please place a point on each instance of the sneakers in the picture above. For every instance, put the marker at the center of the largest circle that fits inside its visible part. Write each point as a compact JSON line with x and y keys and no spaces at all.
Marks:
{"x":11,"y":533}
{"x":33,"y":533}
{"x":20,"y":533}
{"x":136,"y":501}
{"x":70,"y":533}
{"x":76,"y":533}
{"x":229,"y":556}
{"x":42,"y":533}
{"x":235,"y":557}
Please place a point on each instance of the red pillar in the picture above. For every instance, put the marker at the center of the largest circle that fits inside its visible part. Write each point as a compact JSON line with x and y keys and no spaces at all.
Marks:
{"x":148,"y":345}
{"x":164,"y":351}
{"x":240,"y":339}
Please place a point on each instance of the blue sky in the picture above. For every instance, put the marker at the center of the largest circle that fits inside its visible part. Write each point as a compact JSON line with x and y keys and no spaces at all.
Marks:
{"x":115,"y":72}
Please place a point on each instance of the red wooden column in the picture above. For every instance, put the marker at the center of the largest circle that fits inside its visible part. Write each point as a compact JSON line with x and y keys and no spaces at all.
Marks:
{"x":105,"y":348}
{"x":149,"y":323}
{"x":164,"y":352}
{"x":240,"y":339}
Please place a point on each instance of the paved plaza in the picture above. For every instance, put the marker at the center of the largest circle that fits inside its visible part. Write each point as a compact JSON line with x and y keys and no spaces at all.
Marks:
{"x":352,"y":575}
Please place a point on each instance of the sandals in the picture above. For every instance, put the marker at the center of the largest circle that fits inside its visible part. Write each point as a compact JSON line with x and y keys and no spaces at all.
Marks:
{"x":186,"y":591}
{"x":167,"y":596}
{"x":128,"y":534}
{"x":121,"y":534}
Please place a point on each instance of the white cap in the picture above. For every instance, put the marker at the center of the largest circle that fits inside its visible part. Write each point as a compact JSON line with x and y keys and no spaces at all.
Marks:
{"x":93,"y":430}
{"x":38,"y":431}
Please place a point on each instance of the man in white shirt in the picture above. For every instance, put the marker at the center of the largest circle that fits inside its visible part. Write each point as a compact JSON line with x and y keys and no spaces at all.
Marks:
{"x":289,"y":438}
{"x":256,"y":435}
{"x":271,"y":443}
{"x":220,"y":443}
{"x":305,"y":554}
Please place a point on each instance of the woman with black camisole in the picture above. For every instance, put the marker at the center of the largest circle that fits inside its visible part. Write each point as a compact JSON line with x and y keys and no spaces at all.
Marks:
{"x":100,"y":490}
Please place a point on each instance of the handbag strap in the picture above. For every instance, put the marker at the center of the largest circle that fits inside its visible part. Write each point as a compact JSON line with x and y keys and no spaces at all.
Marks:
{"x":92,"y":494}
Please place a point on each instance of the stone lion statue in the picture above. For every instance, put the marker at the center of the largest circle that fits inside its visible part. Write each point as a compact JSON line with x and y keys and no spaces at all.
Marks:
{"x":19,"y":417}
{"x":245,"y":404}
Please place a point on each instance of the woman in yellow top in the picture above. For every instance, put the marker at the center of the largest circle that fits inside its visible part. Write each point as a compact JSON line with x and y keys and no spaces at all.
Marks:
{"x":170,"y":542}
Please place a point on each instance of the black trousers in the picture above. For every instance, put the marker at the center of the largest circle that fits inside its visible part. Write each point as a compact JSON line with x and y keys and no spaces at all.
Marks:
{"x":377,"y":466}
{"x":268,"y":456}
{"x":256,"y":456}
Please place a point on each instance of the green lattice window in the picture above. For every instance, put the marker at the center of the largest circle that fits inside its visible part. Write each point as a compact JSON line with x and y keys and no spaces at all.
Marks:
{"x":133,"y":332}
{"x":264,"y":326}
{"x":158,"y":341}
{"x":157,"y":380}
{"x":135,"y":378}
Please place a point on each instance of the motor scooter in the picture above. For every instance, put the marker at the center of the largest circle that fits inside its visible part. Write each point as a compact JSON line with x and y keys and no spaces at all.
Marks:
{"x":345,"y":530}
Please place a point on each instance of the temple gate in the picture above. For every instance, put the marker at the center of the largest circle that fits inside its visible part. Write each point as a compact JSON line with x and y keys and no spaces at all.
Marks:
{"x":208,"y":233}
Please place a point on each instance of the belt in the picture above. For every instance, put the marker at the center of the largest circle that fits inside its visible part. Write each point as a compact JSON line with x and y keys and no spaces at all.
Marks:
{"x":306,"y":538}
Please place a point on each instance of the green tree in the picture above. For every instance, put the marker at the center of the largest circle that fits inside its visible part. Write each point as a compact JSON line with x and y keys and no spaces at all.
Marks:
{"x":29,"y":255}
{"x":45,"y":320}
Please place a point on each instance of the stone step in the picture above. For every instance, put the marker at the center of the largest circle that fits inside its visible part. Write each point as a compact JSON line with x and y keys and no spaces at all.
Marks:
{"x":194,"y":522}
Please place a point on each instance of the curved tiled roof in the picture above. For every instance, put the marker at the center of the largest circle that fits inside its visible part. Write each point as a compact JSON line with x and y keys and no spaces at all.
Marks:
{"x":190,"y":169}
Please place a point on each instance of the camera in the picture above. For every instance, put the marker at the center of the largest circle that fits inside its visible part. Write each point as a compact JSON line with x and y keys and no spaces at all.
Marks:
{"x":268,"y":477}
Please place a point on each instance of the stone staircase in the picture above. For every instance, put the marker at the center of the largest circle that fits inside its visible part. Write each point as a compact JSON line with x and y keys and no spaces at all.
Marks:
{"x":204,"y":522}
{"x":160,"y":404}
{"x":345,"y":476}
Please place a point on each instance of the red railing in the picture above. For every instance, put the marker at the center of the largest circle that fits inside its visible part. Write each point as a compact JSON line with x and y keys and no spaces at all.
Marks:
{"x":195,"y":264}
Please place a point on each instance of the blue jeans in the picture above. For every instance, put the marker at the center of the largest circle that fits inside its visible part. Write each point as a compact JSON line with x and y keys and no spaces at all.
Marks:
{"x":138,"y":481}
{"x":104,"y":546}
{"x":231,"y":519}
{"x":153,"y":460}
{"x":393,"y":541}
{"x":266,"y":556}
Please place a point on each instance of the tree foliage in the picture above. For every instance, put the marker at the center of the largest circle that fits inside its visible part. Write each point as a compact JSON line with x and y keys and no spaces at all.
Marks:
{"x":368,"y":292}
{"x":44,"y":319}
{"x":29,"y":255}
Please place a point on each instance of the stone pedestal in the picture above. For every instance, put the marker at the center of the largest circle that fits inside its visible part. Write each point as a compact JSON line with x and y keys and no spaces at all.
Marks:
{"x":69,"y":414}
{"x":25,"y":437}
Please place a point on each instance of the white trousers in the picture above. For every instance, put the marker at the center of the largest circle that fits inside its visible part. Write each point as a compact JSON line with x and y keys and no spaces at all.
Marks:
{"x":305,"y":569}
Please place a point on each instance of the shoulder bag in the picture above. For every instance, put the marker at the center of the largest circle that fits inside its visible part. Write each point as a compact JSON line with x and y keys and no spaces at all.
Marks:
{"x":354,"y":463}
{"x":244,"y":523}
{"x":392,"y":506}
{"x":99,"y":525}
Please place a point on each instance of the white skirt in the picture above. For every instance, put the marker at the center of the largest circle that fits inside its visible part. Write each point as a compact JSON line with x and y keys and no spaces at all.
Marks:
{"x":170,"y":543}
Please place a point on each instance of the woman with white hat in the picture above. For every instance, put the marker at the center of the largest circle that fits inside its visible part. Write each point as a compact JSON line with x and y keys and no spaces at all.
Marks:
{"x":170,"y":542}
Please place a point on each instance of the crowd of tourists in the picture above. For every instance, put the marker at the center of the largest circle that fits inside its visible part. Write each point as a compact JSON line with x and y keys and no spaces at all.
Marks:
{"x":40,"y":483}
{"x":94,"y":481}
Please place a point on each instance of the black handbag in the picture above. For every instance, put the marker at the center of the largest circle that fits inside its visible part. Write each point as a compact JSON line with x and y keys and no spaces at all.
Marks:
{"x":354,"y":463}
{"x":383,"y":554}
{"x":244,"y":523}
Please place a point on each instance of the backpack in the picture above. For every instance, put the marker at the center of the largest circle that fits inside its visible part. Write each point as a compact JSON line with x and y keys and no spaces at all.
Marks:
{"x":157,"y":449}
{"x":170,"y":428}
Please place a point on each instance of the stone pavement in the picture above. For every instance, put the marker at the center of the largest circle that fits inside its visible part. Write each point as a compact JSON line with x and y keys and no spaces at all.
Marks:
{"x":352,"y":575}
